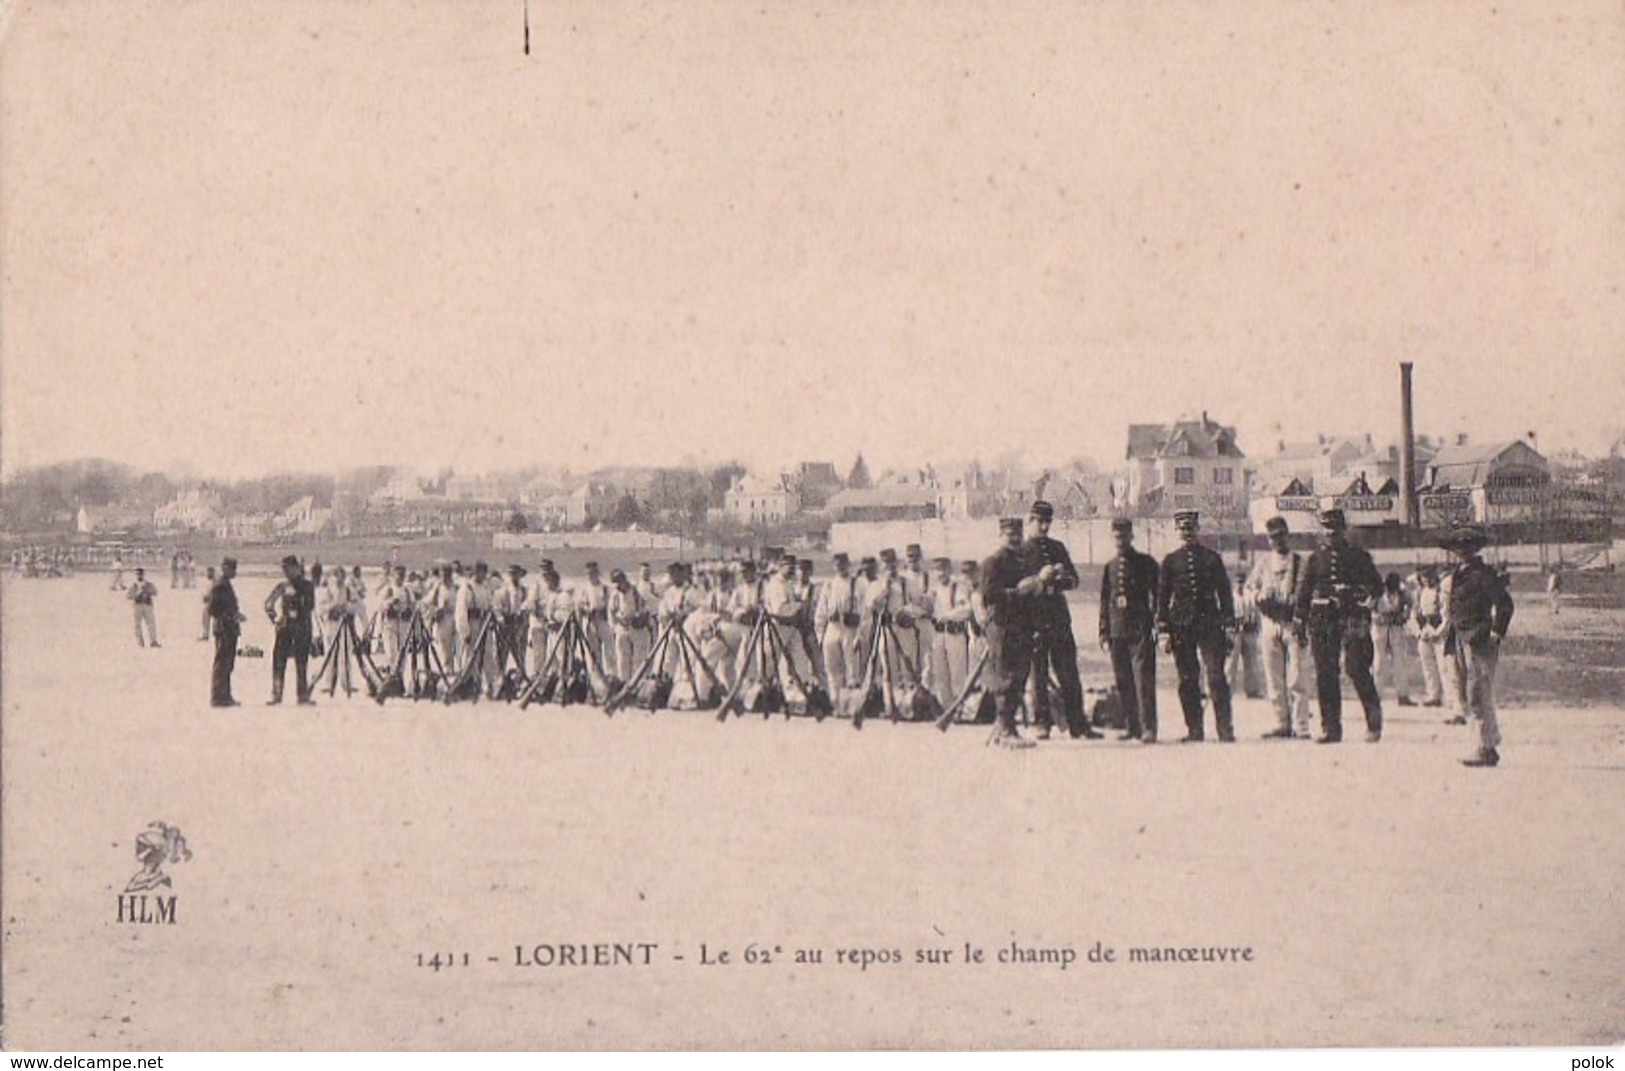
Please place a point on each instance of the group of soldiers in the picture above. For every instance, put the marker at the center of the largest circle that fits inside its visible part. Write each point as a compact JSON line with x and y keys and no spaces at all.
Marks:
{"x":36,"y":562}
{"x":41,"y":561}
{"x":182,"y":569}
{"x":913,"y":628}
{"x":821,"y":625}
{"x":1330,"y":610}
{"x":932,"y":630}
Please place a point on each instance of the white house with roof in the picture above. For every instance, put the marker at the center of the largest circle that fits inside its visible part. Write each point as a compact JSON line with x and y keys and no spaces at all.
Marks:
{"x":581,"y":508}
{"x":402,"y":487}
{"x":1189,"y":464}
{"x":302,"y":517}
{"x":755,"y":500}
{"x":192,"y":509}
{"x":89,"y":520}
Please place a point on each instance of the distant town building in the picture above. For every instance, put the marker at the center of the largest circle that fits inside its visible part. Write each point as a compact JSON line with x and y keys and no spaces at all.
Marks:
{"x":537,"y":491}
{"x":753,"y":501}
{"x":192,"y":509}
{"x":584,"y":507}
{"x":1314,"y":462}
{"x":966,"y":496}
{"x":1510,"y":463}
{"x":303,"y":517}
{"x":90,"y":520}
{"x":813,"y":482}
{"x":252,"y":527}
{"x":1328,"y":462}
{"x":402,"y":488}
{"x":858,"y":479}
{"x":1298,"y":504}
{"x":484,"y":488}
{"x":1499,"y":484}
{"x":1189,"y":464}
{"x":1491,"y":483}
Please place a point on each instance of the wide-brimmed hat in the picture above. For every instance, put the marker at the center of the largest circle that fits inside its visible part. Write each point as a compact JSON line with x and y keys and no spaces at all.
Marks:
{"x":1464,"y":537}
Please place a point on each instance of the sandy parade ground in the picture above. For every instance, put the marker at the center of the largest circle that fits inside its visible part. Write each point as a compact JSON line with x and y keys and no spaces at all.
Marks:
{"x":580,"y":878}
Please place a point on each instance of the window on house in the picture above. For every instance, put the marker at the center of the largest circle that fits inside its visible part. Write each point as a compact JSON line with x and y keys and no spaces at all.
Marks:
{"x":1225,"y":476}
{"x":1184,"y":475}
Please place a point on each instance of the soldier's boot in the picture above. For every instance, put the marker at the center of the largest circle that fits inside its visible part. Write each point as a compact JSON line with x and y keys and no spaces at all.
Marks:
{"x":1009,"y":736}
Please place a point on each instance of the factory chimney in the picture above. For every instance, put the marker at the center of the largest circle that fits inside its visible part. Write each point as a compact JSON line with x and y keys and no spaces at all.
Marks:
{"x":1407,"y":449}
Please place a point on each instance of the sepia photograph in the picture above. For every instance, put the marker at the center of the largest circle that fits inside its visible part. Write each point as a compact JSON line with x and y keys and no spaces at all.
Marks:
{"x":912,"y":526}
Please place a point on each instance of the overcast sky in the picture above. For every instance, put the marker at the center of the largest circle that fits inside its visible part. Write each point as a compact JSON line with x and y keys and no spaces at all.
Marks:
{"x":254,"y":237}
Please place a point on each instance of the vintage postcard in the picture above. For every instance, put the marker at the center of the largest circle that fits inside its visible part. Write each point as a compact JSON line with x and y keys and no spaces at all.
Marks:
{"x":545,"y":524}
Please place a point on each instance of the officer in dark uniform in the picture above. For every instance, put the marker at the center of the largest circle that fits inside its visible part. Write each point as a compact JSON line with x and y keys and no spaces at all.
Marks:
{"x":292,"y":610}
{"x":1340,"y":584}
{"x":1007,"y":592}
{"x":1054,"y":648}
{"x":1195,"y":617}
{"x":228,"y":623}
{"x":1477,"y":611}
{"x":1128,"y":630}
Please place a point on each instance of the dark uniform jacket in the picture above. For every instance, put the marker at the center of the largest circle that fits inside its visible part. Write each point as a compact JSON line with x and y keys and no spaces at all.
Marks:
{"x":292,"y":604}
{"x":1193,"y":591}
{"x":1009,"y":621}
{"x":1339,"y":579}
{"x":1049,"y":609}
{"x":223,"y":608}
{"x":1128,"y":596}
{"x":1479,"y":604}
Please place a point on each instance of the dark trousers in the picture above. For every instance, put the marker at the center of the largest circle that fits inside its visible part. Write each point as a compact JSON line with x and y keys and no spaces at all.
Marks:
{"x":1009,"y":664}
{"x":1134,"y":668}
{"x":1054,"y":650}
{"x":225,"y":660}
{"x":1329,"y":644}
{"x":1208,"y":645}
{"x":516,"y":641}
{"x":295,"y":644}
